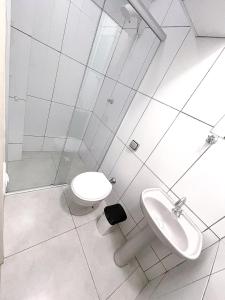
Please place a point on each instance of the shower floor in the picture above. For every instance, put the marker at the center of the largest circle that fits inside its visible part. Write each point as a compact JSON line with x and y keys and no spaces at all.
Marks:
{"x":37,"y":169}
{"x":51,"y":254}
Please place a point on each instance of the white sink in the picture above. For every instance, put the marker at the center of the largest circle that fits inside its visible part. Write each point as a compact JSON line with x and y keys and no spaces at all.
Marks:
{"x":180,"y":234}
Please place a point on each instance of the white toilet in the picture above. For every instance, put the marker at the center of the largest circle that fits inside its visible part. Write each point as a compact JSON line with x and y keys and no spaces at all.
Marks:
{"x":88,"y":190}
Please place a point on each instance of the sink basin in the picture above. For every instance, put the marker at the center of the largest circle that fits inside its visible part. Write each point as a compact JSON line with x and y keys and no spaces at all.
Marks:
{"x":180,"y":234}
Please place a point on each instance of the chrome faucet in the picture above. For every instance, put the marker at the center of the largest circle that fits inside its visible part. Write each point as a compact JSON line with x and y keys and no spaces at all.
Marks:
{"x":177,"y":210}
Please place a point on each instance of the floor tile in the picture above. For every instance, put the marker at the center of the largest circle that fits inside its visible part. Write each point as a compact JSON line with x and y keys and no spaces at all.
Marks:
{"x":32,"y":217}
{"x":149,"y":289}
{"x":215,"y":287}
{"x":99,"y":251}
{"x":131,"y":288}
{"x":220,"y":257}
{"x":55,"y":270}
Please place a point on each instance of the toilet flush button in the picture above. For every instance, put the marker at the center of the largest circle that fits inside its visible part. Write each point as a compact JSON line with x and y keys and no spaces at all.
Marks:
{"x":134,"y":145}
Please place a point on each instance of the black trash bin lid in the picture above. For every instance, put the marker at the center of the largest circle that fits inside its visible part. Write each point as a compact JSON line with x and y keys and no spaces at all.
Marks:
{"x":115,"y":214}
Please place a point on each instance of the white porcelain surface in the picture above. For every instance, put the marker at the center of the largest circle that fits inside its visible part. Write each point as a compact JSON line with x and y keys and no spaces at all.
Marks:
{"x":90,"y":88}
{"x":112,"y":155}
{"x":162,"y":60}
{"x":215,"y":287}
{"x":34,"y":217}
{"x":19,"y":62}
{"x":80,"y":30}
{"x":179,"y":234}
{"x":131,"y":118}
{"x":131,"y":198}
{"x":14,"y":152}
{"x":130,"y":288}
{"x":219,"y":228}
{"x":59,"y":120}
{"x":193,"y":185}
{"x":210,"y":95}
{"x":16,"y":113}
{"x":56,"y":269}
{"x":99,"y":251}
{"x":122,"y":173}
{"x":156,"y":121}
{"x":31,"y":143}
{"x":36,"y":115}
{"x":98,"y":186}
{"x":189,"y":67}
{"x":183,"y":144}
{"x":68,"y":81}
{"x":42,"y":70}
{"x":187,"y":272}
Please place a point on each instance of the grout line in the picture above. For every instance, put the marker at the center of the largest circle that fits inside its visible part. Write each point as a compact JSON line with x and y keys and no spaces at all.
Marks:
{"x":42,"y":242}
{"x":35,"y":189}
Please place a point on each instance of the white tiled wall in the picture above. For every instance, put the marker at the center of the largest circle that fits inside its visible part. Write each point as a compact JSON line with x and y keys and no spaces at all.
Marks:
{"x":176,"y":106}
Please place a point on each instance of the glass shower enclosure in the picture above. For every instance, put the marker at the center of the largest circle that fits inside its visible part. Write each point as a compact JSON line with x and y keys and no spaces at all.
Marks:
{"x":75,"y":67}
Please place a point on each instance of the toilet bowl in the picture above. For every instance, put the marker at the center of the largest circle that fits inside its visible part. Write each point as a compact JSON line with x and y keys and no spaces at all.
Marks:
{"x":88,"y":190}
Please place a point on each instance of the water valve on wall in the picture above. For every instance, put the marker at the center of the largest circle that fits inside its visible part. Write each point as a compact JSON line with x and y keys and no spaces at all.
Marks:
{"x":134,"y":145}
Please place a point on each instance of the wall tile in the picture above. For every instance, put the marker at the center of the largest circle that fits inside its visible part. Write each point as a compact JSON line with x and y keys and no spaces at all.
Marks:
{"x":105,"y":43}
{"x":113,"y":9}
{"x":112,"y":155}
{"x":19,"y":61}
{"x":36,"y":115}
{"x":132,"y":117}
{"x":16,"y":113}
{"x":101,"y":142}
{"x":219,"y":228}
{"x":122,"y":173}
{"x":148,"y":291}
{"x":191,"y":64}
{"x":49,"y":21}
{"x":14,"y":152}
{"x":160,"y":249}
{"x":105,"y":93}
{"x":136,"y":57}
{"x":193,"y":185}
{"x":90,"y":88}
{"x":87,"y":158}
{"x":162,"y":60}
{"x":79,"y":123}
{"x":112,"y":111}
{"x":80,"y":30}
{"x":176,"y":15}
{"x":68,"y":81}
{"x":59,"y":119}
{"x":22,"y":14}
{"x":158,"y":9}
{"x":182,"y":145}
{"x":209,"y":238}
{"x":172,"y":261}
{"x":147,"y":258}
{"x":210,"y":95}
{"x":42,"y":70}
{"x":155,"y":122}
{"x":144,"y":179}
{"x":91,"y":131}
{"x":53,"y":144}
{"x":187,"y":272}
{"x":31,"y":143}
{"x":121,"y":53}
{"x":128,"y":225}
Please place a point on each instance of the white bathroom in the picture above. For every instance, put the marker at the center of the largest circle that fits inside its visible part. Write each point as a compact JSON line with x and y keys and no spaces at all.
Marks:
{"x":112,"y":143}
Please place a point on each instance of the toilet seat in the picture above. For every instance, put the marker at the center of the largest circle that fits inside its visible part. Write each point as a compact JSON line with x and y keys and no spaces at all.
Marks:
{"x":91,"y":186}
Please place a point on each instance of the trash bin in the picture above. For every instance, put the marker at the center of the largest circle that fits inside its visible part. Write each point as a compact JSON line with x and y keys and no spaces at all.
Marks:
{"x":113,"y":214}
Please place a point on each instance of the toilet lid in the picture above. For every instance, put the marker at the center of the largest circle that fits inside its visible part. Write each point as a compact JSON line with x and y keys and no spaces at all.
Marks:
{"x":91,"y":186}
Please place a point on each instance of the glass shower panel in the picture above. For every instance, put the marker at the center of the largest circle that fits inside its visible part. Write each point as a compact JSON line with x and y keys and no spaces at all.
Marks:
{"x":120,"y":56}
